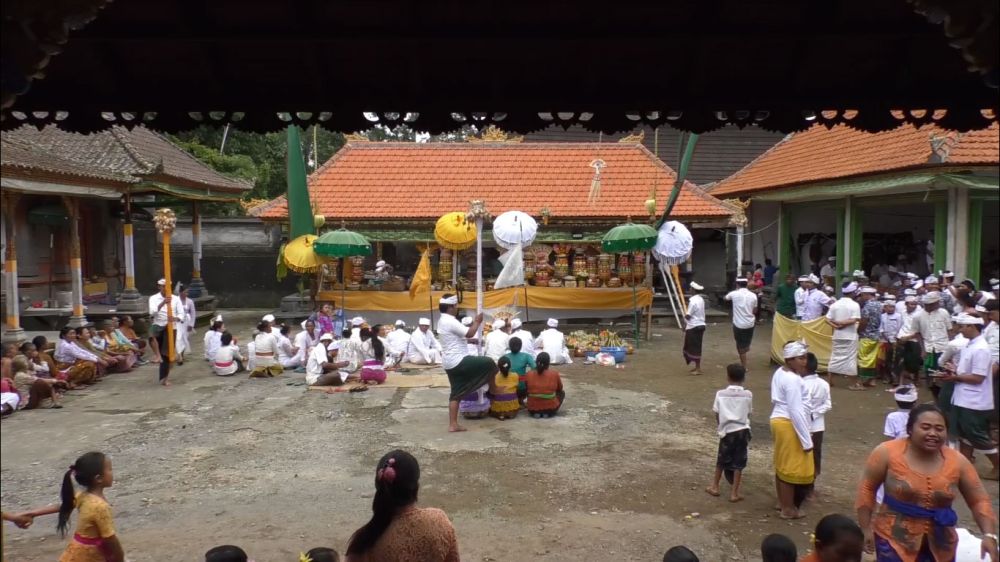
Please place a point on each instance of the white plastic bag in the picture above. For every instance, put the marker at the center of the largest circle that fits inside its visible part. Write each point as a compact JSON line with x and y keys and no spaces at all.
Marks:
{"x":605,"y":359}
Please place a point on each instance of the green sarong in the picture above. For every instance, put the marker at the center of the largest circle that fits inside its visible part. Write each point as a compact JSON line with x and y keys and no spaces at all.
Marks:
{"x":469,"y":375}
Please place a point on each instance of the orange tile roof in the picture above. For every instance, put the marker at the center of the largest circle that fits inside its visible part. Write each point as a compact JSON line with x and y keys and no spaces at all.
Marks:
{"x":426,"y":180}
{"x":819,"y":154}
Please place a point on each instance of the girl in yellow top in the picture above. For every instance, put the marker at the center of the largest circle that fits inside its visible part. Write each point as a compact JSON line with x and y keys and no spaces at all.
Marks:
{"x":94,"y":539}
{"x":503,"y":391}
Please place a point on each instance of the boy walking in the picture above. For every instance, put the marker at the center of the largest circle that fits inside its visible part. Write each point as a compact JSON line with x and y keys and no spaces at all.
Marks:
{"x":732,"y":408}
{"x":818,"y":403}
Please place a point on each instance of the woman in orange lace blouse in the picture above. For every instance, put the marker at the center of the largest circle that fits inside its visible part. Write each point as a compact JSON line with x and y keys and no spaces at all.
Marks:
{"x":399,"y":531}
{"x":922,"y":477}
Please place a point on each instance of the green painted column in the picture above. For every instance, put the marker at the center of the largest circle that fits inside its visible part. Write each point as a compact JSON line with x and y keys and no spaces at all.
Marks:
{"x":857,"y":239}
{"x":940,"y":237}
{"x":784,"y":241}
{"x":975,"y":253}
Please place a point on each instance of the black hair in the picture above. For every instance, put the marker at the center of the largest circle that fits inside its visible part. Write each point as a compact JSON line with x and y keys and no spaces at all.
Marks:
{"x":443,"y":308}
{"x":504,"y":365}
{"x":833,"y":526}
{"x":767,"y":261}
{"x":216,"y":325}
{"x":226,"y":553}
{"x":514,"y":344}
{"x":377,"y":345}
{"x":967,"y":299}
{"x":905,"y":405}
{"x":284,"y":329}
{"x":264,"y":327}
{"x":85,"y":471}
{"x":991,"y":305}
{"x":397,"y":482}
{"x":812,"y":363}
{"x":921,"y":410}
{"x":735,"y":372}
{"x":65,"y":330}
{"x":778,"y":548}
{"x":756,"y":265}
{"x":40,"y":342}
{"x":742,"y":283}
{"x":680,"y":554}
{"x":542,"y":362}
{"x":26,"y":347}
{"x":226,"y":338}
{"x":346,"y":333}
{"x":323,"y":554}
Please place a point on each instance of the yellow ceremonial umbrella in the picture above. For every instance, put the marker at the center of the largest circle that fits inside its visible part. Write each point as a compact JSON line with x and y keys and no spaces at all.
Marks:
{"x":299,"y":255}
{"x":455,"y":232}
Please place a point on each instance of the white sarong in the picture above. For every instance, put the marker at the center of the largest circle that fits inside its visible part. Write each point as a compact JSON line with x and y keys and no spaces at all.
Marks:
{"x":844,"y":357}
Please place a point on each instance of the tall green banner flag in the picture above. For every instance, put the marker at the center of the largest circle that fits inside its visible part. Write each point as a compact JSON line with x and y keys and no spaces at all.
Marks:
{"x":300,"y":214}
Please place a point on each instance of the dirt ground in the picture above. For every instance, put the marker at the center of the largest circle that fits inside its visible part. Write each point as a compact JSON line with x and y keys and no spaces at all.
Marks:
{"x":266,"y":465}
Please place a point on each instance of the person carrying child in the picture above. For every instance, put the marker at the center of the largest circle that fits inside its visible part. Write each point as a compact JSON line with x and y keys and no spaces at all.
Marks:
{"x":733,"y":406}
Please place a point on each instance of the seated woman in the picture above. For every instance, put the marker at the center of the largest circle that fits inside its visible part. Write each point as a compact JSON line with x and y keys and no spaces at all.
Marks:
{"x":227,"y":360}
{"x":118,"y":343}
{"x":127,"y":331}
{"x":373,"y":356}
{"x":476,"y":404}
{"x":213,"y":338}
{"x":79,"y":364}
{"x":40,"y":367}
{"x":265,"y":349}
{"x":545,"y":390}
{"x":34,"y":392}
{"x":503,"y":391}
{"x":399,"y":531}
{"x":115,"y":363}
{"x":520,"y":364}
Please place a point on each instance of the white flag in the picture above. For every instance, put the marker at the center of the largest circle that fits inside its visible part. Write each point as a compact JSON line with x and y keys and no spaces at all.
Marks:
{"x":512,"y":274}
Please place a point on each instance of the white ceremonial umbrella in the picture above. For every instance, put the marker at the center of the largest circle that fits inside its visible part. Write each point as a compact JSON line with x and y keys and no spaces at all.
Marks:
{"x":514,"y":228}
{"x":673,"y":243}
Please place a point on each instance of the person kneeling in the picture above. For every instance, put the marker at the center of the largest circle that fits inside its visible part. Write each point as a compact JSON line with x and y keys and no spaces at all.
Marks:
{"x":228,"y":360}
{"x":323,"y":367}
{"x":545,"y":390}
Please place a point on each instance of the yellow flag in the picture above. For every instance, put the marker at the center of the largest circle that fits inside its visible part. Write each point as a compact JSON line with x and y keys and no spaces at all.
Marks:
{"x":422,"y":278}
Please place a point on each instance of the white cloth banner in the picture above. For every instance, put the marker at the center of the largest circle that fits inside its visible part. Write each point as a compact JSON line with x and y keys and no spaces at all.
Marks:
{"x":512,"y":274}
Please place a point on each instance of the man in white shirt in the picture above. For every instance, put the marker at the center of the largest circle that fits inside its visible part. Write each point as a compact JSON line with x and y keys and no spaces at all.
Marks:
{"x":908,"y":348}
{"x":744,"y":318}
{"x":526,"y":337}
{"x":816,"y":301}
{"x":323,"y":368}
{"x":466,"y":373}
{"x":694,"y":329}
{"x":356,"y":323}
{"x":495,"y":342}
{"x":801,"y":295}
{"x":398,"y":343}
{"x":790,"y":430}
{"x":160,"y":313}
{"x":424,"y":347}
{"x":306,"y":340}
{"x":932,"y":327}
{"x":891,"y":322}
{"x":973,"y":398}
{"x":828,"y":272}
{"x":553,"y":342}
{"x":844,"y":315}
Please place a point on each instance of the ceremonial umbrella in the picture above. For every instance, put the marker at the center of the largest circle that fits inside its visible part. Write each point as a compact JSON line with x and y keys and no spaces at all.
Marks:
{"x":342,"y":243}
{"x":455,"y":231}
{"x":299,"y":255}
{"x":630,"y":237}
{"x":673,"y":243}
{"x":514,"y":228}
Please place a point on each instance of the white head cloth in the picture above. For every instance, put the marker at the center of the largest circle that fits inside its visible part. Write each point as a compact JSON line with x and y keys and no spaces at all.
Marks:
{"x":795,"y":349}
{"x":552,"y":323}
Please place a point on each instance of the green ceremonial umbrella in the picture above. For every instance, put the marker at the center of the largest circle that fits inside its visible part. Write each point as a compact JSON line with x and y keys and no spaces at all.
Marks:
{"x":630,"y":237}
{"x":342,"y":243}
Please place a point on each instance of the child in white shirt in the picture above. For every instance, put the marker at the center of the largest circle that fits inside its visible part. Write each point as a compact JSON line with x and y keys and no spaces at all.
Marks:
{"x":817,"y":402}
{"x":733,"y":406}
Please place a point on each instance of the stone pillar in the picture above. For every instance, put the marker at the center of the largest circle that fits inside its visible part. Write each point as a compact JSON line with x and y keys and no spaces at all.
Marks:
{"x":77,"y":318}
{"x":844,"y":259}
{"x":974,"y":259}
{"x":130,"y":300}
{"x":784,"y":242}
{"x":197,"y":287}
{"x":940,"y":237}
{"x":958,"y":232}
{"x":739,"y":251}
{"x":12,"y":326}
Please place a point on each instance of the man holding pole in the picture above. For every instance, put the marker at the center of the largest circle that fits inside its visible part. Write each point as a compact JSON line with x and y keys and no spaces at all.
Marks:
{"x":466,"y":373}
{"x":162,"y":315}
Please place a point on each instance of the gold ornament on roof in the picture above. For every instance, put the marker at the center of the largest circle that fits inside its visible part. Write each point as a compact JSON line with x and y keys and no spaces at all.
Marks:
{"x":165,"y":220}
{"x":739,"y":211}
{"x":637,"y":138}
{"x":495,"y":134}
{"x":477,"y":210}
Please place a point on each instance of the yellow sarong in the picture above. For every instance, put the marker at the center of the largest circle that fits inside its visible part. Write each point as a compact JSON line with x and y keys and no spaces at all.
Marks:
{"x":867,"y":353}
{"x":791,"y":463}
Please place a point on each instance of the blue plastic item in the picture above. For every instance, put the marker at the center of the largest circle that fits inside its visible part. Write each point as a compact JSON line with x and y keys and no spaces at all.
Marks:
{"x":618,"y":352}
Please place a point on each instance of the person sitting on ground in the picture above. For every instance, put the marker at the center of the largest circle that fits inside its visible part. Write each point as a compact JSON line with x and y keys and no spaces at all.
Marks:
{"x":127,"y":329}
{"x":288,"y":354}
{"x":545,"y":390}
{"x":228,"y":360}
{"x":733,"y":406}
{"x":9,"y":352}
{"x":226,"y":553}
{"x":324,"y":367}
{"x":679,"y":554}
{"x":425,"y":349}
{"x":495,"y":342}
{"x":357,"y":323}
{"x":42,"y":366}
{"x":45,"y":351}
{"x":306,"y":340}
{"x":114,"y":363}
{"x":124,"y":358}
{"x":118,"y":343}
{"x":397,"y":344}
{"x":553,"y":342}
{"x":520,"y":364}
{"x":350,"y":351}
{"x":79,"y":364}
{"x":778,"y":548}
{"x":373,"y":352}
{"x":526,"y":337}
{"x":504,"y":401}
{"x":34,"y":392}
{"x":837,"y":538}
{"x":264,"y":353}
{"x":213,"y":337}
{"x":399,"y":531}
{"x":323,"y":554}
